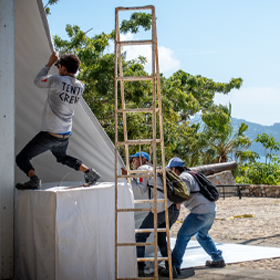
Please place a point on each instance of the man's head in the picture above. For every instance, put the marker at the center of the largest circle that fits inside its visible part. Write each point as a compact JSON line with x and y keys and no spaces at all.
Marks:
{"x":139,"y":159}
{"x":68,"y":62}
{"x":177,"y":165}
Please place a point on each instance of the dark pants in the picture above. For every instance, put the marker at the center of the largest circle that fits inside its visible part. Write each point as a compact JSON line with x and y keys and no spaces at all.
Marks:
{"x":41,"y":143}
{"x":148,"y":222}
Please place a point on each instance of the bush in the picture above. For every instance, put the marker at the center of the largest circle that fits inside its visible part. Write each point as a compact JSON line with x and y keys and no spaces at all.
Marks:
{"x":259,"y":173}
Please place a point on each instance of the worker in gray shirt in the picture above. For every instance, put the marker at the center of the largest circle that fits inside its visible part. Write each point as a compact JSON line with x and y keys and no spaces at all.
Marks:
{"x":198,"y":222}
{"x":64,"y":92}
{"x":140,"y":161}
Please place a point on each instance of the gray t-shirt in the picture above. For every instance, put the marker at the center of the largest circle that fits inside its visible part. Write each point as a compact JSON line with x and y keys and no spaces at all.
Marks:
{"x":198,"y":203}
{"x":140,"y":185}
{"x":63,"y":95}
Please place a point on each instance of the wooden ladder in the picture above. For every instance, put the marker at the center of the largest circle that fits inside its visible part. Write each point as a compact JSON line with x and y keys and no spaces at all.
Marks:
{"x":156,"y":111}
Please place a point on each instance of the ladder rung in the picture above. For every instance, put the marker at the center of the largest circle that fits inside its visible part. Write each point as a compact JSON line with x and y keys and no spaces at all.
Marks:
{"x":152,"y":259}
{"x":158,"y":170}
{"x":148,"y":201}
{"x":142,"y":171}
{"x":145,"y":230}
{"x":135,"y":244}
{"x":136,"y":110}
{"x":146,"y":278}
{"x":138,"y":142}
{"x":146,"y":171}
{"x":136,"y":78}
{"x":148,"y":7}
{"x":150,"y":175}
{"x":135,"y":42}
{"x":135,"y":176}
{"x":134,"y":209}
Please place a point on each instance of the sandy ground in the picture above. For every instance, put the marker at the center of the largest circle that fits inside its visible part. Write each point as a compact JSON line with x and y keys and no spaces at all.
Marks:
{"x":263,"y":229}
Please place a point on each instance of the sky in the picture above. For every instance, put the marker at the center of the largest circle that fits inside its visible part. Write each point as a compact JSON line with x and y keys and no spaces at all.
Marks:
{"x":218,"y":39}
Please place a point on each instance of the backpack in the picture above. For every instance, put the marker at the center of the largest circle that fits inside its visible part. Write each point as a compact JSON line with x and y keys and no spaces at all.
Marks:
{"x":207,"y":188}
{"x":177,"y":190}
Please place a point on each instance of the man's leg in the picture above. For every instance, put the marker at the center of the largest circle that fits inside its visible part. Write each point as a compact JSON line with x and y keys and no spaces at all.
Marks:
{"x":173,"y":214}
{"x":207,"y":243}
{"x":38,"y":145}
{"x":142,"y":237}
{"x":59,"y":151}
{"x":190,"y":227}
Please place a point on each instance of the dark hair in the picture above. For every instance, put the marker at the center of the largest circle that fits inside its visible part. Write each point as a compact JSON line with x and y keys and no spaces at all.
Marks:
{"x":71,"y":62}
{"x":181,"y":168}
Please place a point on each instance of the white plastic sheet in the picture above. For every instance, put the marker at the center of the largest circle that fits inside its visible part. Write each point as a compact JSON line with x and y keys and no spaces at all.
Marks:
{"x":65,"y":234}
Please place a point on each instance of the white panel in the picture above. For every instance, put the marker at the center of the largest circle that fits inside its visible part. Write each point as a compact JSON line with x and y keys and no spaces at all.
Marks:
{"x":65,"y":234}
{"x":7,"y":132}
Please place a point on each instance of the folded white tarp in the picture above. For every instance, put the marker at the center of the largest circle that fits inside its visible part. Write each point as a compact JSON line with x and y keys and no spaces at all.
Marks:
{"x":65,"y":234}
{"x":89,"y":142}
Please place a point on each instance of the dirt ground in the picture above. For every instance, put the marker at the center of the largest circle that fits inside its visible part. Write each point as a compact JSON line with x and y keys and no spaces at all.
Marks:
{"x":250,"y":221}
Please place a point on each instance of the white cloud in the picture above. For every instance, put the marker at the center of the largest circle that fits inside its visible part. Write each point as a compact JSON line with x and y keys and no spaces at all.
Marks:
{"x":254,"y":104}
{"x":168,"y":63}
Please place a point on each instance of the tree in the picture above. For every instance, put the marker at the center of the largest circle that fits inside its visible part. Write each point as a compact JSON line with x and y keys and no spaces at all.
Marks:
{"x":183,"y":95}
{"x":218,"y":132}
{"x":268,"y":142}
{"x":253,"y":172}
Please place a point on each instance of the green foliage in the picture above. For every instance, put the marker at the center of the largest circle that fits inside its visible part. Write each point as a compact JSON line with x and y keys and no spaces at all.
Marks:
{"x":268,"y":142}
{"x":183,"y":95}
{"x":249,"y":156}
{"x":50,"y":2}
{"x":254,"y":172}
{"x":220,"y":139}
{"x":260,"y":173}
{"x":136,"y":20}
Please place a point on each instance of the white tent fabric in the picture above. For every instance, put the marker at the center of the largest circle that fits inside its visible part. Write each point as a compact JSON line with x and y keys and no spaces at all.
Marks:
{"x":67,"y":234}
{"x":88,"y":142}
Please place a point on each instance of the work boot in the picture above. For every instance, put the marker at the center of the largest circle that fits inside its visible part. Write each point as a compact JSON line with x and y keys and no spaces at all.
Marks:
{"x":91,"y":176}
{"x":141,"y":273}
{"x":33,"y":184}
{"x":220,"y":263}
{"x":165,"y":272}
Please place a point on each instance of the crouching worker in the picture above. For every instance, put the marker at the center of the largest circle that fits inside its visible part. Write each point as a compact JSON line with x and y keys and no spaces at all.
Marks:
{"x":198,"y":222}
{"x":64,"y":92}
{"x":140,"y":162}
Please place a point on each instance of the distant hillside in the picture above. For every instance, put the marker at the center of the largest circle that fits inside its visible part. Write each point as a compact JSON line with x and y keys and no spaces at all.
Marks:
{"x":253,"y":130}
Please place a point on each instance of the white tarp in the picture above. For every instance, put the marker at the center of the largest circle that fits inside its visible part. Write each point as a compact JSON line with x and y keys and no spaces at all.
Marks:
{"x":88,"y":142}
{"x":65,"y":234}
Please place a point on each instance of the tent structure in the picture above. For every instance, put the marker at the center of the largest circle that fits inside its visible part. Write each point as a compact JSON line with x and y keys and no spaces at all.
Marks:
{"x":89,"y":142}
{"x":25,"y":47}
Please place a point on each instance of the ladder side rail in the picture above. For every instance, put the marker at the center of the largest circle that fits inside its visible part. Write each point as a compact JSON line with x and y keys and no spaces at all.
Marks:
{"x":163,"y":163}
{"x":154,"y":146}
{"x":116,"y":140}
{"x":123,"y":107}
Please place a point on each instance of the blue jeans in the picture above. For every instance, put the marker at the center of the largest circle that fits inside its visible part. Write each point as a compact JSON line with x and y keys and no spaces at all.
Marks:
{"x":198,"y":224}
{"x":41,"y":143}
{"x":148,"y":222}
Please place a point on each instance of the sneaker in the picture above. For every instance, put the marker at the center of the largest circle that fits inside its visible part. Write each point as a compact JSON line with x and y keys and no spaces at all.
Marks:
{"x":141,"y":273}
{"x":220,"y":263}
{"x":91,"y":176}
{"x":165,"y":272}
{"x":33,"y":184}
